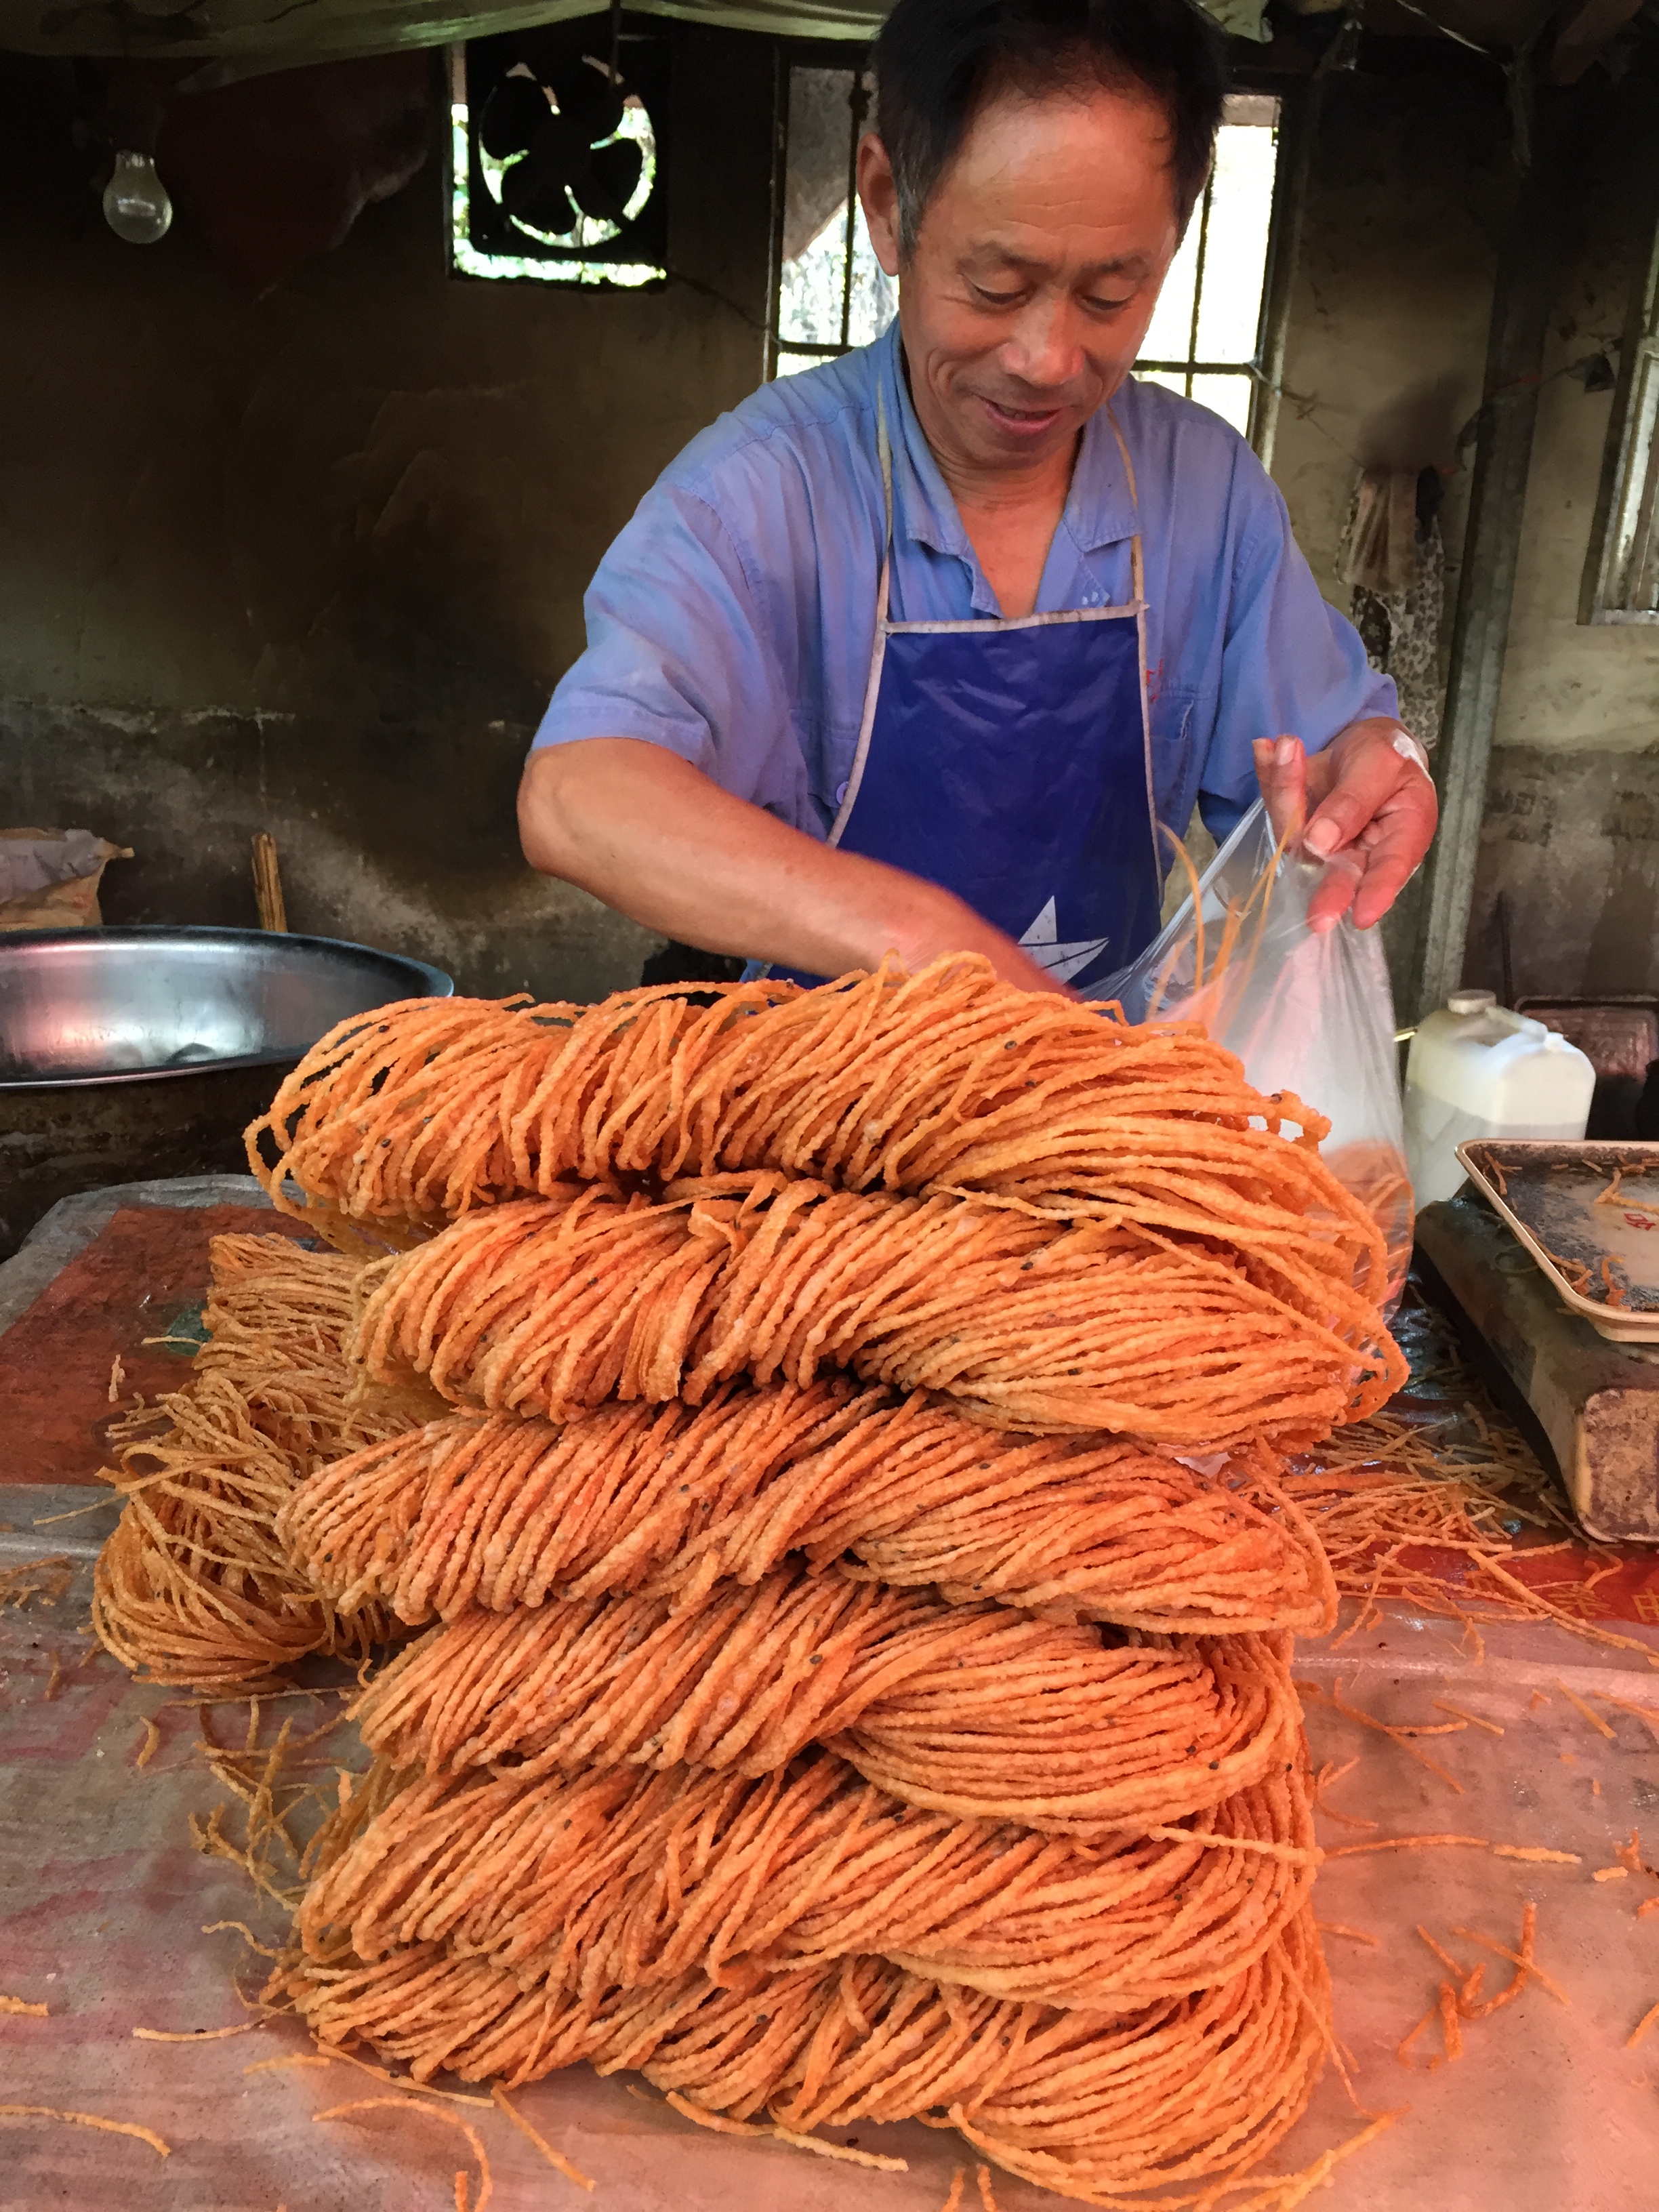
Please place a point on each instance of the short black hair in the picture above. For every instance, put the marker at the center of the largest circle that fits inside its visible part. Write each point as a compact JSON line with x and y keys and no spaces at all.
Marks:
{"x":937,"y":60}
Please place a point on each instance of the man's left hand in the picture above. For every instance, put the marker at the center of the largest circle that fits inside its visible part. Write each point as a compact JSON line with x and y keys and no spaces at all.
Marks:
{"x":1373,"y":811}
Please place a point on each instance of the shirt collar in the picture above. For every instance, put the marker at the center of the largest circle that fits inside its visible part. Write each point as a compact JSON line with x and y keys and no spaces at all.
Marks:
{"x":1100,"y":508}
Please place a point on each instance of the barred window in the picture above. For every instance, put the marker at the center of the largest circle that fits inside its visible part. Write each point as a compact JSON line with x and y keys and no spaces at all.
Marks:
{"x":1206,"y":333}
{"x":831,"y":293}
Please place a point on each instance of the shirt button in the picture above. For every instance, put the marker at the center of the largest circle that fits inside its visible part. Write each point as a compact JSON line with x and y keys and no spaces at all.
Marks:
{"x":841,"y":794}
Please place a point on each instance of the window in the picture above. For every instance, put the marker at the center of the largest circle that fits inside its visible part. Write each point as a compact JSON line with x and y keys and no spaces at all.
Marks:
{"x":1621,"y":577}
{"x":556,"y":155}
{"x":832,"y":292}
{"x":1207,"y":328}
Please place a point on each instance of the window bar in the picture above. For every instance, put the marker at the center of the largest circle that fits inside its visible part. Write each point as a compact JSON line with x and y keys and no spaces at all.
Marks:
{"x":773,"y":346}
{"x":1198,"y":277}
{"x":1608,"y":593}
{"x":857,"y":101}
{"x":1198,"y":368}
{"x":1639,"y":582}
{"x":1294,"y":135}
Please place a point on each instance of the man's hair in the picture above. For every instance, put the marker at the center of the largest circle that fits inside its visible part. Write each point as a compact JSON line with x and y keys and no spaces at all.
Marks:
{"x":938,"y":61}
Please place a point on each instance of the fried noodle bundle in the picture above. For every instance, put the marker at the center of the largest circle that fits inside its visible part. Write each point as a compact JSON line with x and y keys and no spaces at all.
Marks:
{"x":551,"y":1306}
{"x":494,"y":1511}
{"x":623,"y":1879}
{"x":948,"y":1080}
{"x":1101,"y":2105}
{"x":193,"y":1584}
{"x":970,"y":1709}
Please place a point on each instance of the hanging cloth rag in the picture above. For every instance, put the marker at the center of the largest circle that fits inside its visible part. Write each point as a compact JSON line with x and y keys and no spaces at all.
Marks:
{"x":1394,"y":557}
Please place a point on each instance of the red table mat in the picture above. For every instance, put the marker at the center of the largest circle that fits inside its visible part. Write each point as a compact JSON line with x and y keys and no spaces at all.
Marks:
{"x":145,"y":1271}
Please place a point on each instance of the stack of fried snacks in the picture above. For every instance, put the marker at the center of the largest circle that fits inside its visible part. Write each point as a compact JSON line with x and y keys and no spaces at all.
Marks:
{"x":948,"y":1080}
{"x":497,"y":1512}
{"x":551,"y":1306}
{"x":194,"y":1586}
{"x":844,"y":1704}
{"x":970,"y":1709}
{"x":560,"y":1880}
{"x":1100,"y":2105}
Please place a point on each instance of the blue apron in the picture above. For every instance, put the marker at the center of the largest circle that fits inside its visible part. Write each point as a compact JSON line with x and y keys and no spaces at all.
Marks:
{"x":1010,"y":762}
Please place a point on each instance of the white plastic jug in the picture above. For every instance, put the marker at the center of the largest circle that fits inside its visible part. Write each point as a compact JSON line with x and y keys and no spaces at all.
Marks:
{"x":1477,"y":1070}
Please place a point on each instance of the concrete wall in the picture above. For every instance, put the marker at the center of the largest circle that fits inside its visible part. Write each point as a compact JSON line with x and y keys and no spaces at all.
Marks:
{"x":1385,"y":353}
{"x":1387,"y":327}
{"x":1567,"y":893}
{"x":314,"y":564}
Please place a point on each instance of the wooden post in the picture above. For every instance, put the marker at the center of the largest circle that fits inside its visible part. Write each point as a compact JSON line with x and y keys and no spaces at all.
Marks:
{"x":1299,"y":116}
{"x":1530,"y":264}
{"x":268,"y":883}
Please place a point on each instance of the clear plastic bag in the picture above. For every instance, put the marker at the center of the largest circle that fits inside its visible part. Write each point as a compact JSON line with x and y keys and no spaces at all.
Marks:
{"x":1309,"y":1012}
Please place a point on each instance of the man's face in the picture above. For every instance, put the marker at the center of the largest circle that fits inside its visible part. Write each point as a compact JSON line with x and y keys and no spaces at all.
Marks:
{"x":1036,"y":269}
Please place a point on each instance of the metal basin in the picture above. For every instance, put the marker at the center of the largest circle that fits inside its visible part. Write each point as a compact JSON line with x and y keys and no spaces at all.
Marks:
{"x":129,"y":1053}
{"x":131,"y":1006}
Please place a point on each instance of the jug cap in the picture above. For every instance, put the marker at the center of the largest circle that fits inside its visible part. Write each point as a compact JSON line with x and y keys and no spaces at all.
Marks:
{"x":1471,"y":1002}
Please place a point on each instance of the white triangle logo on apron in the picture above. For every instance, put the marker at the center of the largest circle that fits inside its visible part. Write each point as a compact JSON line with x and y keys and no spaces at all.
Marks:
{"x":1062,"y":961}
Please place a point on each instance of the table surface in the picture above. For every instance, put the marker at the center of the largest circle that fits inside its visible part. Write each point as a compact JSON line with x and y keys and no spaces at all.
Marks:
{"x":103,"y":1900}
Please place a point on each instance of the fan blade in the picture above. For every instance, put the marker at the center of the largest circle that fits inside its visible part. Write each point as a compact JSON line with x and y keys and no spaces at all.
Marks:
{"x":548,"y":210}
{"x":588,"y":100}
{"x":556,"y":155}
{"x":513,"y":114}
{"x":605,"y":186}
{"x":534,"y":192}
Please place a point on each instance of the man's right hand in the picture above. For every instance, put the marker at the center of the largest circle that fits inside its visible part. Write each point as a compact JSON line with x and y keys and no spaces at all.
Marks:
{"x":655,"y":838}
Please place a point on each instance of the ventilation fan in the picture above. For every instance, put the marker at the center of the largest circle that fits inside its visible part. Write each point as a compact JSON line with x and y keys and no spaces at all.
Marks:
{"x":558,"y":134}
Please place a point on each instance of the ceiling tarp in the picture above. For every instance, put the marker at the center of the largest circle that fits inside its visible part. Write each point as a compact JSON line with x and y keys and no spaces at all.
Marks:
{"x":281,"y":34}
{"x":285,"y":33}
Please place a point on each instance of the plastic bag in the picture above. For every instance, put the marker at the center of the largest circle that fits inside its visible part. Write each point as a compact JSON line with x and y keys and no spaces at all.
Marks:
{"x":1309,"y":1012}
{"x":49,"y":879}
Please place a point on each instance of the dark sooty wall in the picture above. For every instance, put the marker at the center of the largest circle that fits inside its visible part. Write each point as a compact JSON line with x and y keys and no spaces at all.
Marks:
{"x":311,"y":564}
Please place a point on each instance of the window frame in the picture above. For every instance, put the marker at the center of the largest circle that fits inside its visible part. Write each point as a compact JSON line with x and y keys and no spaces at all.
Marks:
{"x":1252,"y":369}
{"x":1630,"y":467}
{"x":855,"y":56}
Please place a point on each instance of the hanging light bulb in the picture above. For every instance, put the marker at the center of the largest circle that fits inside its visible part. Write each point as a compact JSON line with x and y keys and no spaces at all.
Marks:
{"x":135,"y":202}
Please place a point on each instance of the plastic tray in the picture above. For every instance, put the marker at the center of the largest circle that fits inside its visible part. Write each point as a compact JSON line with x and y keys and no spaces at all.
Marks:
{"x":1551,"y":1196}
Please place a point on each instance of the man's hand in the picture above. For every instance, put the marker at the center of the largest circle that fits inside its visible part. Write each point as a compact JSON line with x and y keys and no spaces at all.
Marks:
{"x":1373,"y":819}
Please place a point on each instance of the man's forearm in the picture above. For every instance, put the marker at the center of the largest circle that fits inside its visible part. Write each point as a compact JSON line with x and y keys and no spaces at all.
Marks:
{"x":653,"y":837}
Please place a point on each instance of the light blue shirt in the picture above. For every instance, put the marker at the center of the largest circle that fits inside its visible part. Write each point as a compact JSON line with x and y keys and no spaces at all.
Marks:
{"x":731,"y":621}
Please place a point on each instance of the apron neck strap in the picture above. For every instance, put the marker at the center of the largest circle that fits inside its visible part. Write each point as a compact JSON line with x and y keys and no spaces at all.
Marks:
{"x":885,"y":452}
{"x":1137,"y":568}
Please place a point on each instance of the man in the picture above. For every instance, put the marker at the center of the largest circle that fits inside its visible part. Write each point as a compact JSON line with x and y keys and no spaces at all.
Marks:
{"x":916,"y":651}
